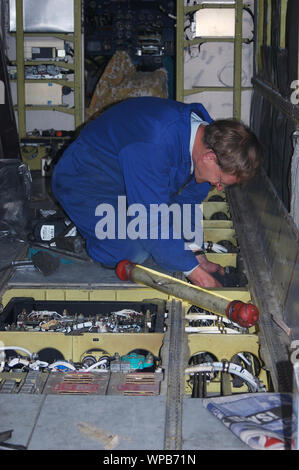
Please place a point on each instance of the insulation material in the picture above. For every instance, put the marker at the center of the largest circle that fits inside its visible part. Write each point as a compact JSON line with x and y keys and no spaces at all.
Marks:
{"x":120,"y":81}
{"x":215,"y":22}
{"x":212,"y":64}
{"x":48,"y":94}
{"x":295,"y":188}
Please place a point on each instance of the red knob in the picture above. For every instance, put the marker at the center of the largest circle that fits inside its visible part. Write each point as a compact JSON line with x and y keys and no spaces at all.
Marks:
{"x":123,"y":270}
{"x":246,"y":315}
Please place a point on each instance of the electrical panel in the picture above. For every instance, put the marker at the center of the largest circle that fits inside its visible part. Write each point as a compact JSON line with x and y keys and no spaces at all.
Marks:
{"x":75,"y":340}
{"x":43,"y":48}
{"x":145,"y":29}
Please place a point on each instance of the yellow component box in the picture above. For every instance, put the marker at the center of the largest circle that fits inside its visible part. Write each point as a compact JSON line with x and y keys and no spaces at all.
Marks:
{"x":240,"y":349}
{"x":60,"y":329}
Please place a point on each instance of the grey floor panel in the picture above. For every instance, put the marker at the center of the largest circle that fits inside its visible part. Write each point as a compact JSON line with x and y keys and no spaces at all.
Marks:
{"x":99,"y":423}
{"x":68,"y":272}
{"x":19,"y":413}
{"x":9,"y":249}
{"x":203,"y":431}
{"x":75,"y":272}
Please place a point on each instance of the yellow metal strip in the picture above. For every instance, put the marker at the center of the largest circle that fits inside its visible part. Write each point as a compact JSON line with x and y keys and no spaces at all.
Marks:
{"x":283,"y":14}
{"x":269,"y":21}
{"x":259,"y":13}
{"x":238,"y":59}
{"x":20,"y":69}
{"x":78,"y":63}
{"x":180,"y":51}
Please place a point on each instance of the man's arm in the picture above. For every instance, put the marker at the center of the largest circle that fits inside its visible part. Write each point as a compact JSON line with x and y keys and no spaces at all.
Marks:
{"x":146,"y":168}
{"x":201,"y":275}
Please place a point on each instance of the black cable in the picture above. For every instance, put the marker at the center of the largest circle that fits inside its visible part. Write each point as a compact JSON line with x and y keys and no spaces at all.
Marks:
{"x":248,"y":10}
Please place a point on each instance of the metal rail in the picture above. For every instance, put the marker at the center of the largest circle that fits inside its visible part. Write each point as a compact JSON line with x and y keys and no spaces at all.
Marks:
{"x":175,"y":380}
{"x":274,"y":341}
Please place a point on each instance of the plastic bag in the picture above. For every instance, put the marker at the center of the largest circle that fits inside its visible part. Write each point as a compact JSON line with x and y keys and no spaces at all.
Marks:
{"x":15,"y":193}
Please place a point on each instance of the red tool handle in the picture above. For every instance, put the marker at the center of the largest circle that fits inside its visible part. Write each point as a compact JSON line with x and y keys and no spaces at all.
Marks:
{"x":123,"y":270}
{"x":245,"y":315}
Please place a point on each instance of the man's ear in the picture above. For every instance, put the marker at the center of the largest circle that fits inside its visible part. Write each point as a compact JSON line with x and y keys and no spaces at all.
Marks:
{"x":209,"y":155}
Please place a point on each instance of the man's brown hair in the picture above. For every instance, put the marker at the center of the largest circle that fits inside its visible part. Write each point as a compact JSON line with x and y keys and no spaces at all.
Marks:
{"x":236,"y":147}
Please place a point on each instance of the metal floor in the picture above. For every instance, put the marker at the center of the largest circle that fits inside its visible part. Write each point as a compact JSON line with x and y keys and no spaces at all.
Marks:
{"x":108,"y":423}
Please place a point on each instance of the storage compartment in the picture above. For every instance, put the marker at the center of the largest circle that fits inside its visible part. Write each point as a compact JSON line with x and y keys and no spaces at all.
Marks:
{"x":28,"y":314}
{"x":83,"y":347}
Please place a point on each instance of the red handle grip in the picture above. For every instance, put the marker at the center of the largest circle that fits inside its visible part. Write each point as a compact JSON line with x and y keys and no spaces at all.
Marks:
{"x":123,"y":270}
{"x":246,"y":315}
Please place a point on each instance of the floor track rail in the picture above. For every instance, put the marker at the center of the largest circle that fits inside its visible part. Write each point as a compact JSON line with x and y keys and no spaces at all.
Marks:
{"x":175,"y":385}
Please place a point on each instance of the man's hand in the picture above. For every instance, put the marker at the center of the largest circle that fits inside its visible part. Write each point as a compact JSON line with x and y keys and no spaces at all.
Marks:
{"x":208,"y":266}
{"x":202,"y":278}
{"x":202,"y":275}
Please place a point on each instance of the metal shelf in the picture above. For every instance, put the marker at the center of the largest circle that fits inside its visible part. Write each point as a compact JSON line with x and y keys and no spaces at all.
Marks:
{"x":59,"y":81}
{"x":65,"y":36}
{"x":195,"y":89}
{"x":60,"y":108}
{"x":63,"y":65}
{"x":237,"y":40}
{"x":76,"y":67}
{"x":201,"y":6}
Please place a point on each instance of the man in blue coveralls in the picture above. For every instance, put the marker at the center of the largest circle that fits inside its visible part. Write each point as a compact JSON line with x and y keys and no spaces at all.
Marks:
{"x":147,"y":153}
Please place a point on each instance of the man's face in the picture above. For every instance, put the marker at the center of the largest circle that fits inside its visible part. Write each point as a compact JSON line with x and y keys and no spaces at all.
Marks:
{"x":206,"y":169}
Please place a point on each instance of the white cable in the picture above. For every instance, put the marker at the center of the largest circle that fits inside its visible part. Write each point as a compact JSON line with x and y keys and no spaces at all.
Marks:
{"x":17,"y":348}
{"x":208,"y":245}
{"x":79,"y":326}
{"x":96,"y":364}
{"x":126,"y":312}
{"x":231,"y":368}
{"x":207,"y":317}
{"x":45,"y":313}
{"x":241,"y":355}
{"x":17,"y":360}
{"x":62,"y":363}
{"x":198,"y":316}
{"x":38,"y":365}
{"x":211,"y":330}
{"x":216,"y":247}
